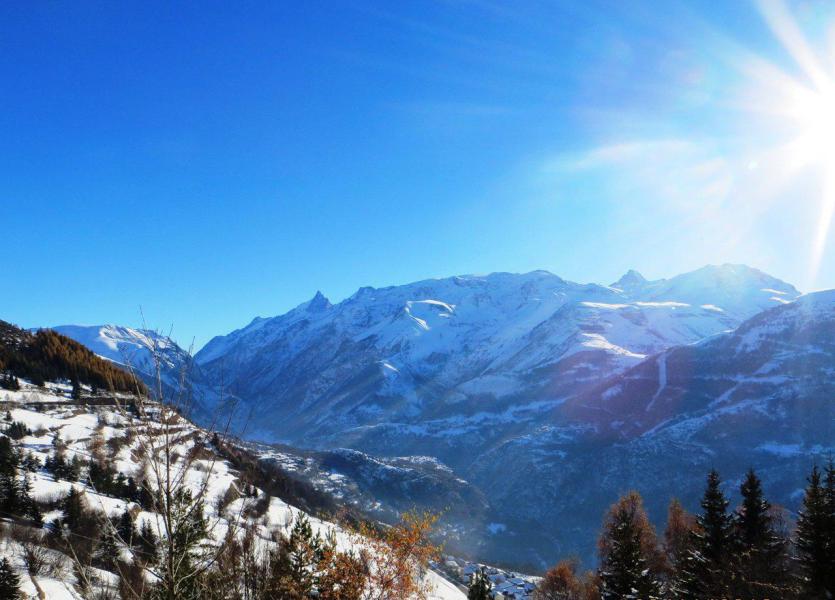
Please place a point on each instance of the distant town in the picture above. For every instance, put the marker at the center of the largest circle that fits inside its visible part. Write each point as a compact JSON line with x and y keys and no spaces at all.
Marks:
{"x":505,"y":585}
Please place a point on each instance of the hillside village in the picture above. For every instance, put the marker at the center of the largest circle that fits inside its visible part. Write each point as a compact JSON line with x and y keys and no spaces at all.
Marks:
{"x":504,"y":585}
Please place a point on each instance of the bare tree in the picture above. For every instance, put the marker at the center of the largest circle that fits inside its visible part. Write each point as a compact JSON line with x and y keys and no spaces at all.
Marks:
{"x":174,"y":474}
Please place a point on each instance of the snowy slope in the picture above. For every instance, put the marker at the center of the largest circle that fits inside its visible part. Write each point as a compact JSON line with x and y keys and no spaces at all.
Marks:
{"x":130,"y":347}
{"x":138,"y":350}
{"x":785,"y":355}
{"x":49,"y":413}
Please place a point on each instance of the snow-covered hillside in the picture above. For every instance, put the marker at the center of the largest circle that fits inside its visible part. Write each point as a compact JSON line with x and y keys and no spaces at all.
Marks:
{"x":133,"y":348}
{"x":783,"y":357}
{"x":139,"y":350}
{"x":54,"y":420}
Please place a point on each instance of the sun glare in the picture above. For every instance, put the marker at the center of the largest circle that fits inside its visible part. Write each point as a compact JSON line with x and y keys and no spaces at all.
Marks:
{"x":808,"y":107}
{"x":815,"y":114}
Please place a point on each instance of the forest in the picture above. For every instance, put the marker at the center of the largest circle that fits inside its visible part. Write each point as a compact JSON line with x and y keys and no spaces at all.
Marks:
{"x":49,"y":356}
{"x":752,"y":551}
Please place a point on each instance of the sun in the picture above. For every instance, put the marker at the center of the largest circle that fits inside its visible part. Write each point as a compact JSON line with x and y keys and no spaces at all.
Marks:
{"x":803,"y":104}
{"x":814,"y":112}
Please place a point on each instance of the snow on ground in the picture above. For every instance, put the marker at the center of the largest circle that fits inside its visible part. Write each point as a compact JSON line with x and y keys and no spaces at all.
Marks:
{"x":52,"y":417}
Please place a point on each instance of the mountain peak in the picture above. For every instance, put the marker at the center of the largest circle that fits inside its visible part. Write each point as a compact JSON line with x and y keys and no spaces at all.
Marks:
{"x":318,"y":303}
{"x":630,"y":279}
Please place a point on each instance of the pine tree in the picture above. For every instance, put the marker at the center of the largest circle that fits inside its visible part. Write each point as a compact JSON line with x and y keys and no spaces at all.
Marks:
{"x":76,"y":389}
{"x":29,"y":506}
{"x":762,"y":561}
{"x":147,"y":549}
{"x":9,"y":581}
{"x":304,"y":550}
{"x":182,"y":548}
{"x":814,"y":540}
{"x":126,"y":528}
{"x":9,"y":382}
{"x":480,"y":586}
{"x":107,"y":550}
{"x":625,"y":570}
{"x":830,"y":505}
{"x":13,"y":496}
{"x":16,"y":430}
{"x":706,"y":568}
{"x":8,"y":457}
{"x":73,"y":508}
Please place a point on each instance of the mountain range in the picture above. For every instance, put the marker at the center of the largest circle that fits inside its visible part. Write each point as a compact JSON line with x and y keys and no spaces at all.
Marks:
{"x":546,"y":396}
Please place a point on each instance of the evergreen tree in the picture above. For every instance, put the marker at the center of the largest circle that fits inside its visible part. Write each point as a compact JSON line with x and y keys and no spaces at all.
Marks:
{"x":130,"y":492}
{"x":10,"y":501}
{"x":147,"y":548}
{"x":61,"y":468}
{"x":9,"y":581}
{"x":8,"y":456}
{"x":814,"y":542}
{"x":479,"y":586}
{"x":707,"y":566}
{"x":182,"y":548}
{"x":304,"y":550}
{"x":126,"y":528}
{"x":14,"y":490}
{"x":762,"y":560}
{"x":76,"y":389}
{"x":9,"y":382}
{"x":28,"y":505}
{"x":31,"y":463}
{"x":830,"y":505}
{"x":107,"y":550}
{"x":16,"y":430}
{"x":625,"y":570}
{"x":73,"y":508}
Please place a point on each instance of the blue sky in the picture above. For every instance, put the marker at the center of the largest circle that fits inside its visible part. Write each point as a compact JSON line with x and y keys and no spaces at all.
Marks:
{"x":216,"y":161}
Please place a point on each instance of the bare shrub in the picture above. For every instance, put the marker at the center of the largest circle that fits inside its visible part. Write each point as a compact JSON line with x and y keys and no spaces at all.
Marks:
{"x":23,"y":534}
{"x":96,"y":447}
{"x":115,"y":444}
{"x":260,"y":507}
{"x":396,"y":558}
{"x":228,"y":497}
{"x":35,"y":557}
{"x":103,"y":419}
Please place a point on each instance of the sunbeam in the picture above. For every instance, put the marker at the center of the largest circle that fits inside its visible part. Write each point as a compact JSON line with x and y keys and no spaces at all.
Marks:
{"x":806,"y":108}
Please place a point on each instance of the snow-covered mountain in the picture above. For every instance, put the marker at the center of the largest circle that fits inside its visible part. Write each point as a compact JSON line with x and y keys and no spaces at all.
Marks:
{"x":761,"y":396}
{"x":136,"y":349}
{"x":128,"y":346}
{"x":460,"y":347}
{"x":546,"y":396}
{"x":488,"y":375}
{"x":779,"y":363}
